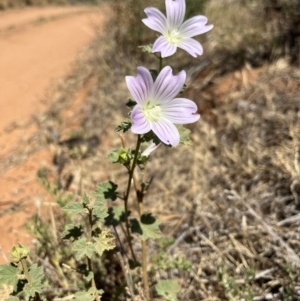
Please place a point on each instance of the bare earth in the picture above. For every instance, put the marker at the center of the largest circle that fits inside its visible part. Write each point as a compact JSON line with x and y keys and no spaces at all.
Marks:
{"x":37,"y":47}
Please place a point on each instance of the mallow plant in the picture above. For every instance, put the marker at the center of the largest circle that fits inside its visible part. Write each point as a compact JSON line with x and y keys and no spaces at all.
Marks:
{"x":157,"y":116}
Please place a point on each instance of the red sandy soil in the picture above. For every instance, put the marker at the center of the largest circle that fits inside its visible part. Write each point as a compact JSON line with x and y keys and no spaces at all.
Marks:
{"x":37,"y":47}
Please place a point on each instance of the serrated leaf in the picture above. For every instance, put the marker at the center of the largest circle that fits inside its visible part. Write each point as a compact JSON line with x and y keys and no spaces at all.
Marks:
{"x":146,"y":48}
{"x":8,"y":275}
{"x":86,"y":198}
{"x":72,"y":232}
{"x":105,"y":241}
{"x":148,"y":227}
{"x":83,"y":248}
{"x":99,"y":210}
{"x":107,"y":190}
{"x":184,"y":135}
{"x":116,"y":215}
{"x":124,"y":126}
{"x":75,"y":208}
{"x":36,"y":275}
{"x":168,"y":289}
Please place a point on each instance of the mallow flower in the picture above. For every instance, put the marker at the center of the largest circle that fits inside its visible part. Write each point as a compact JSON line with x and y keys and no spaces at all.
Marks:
{"x":157,"y":109}
{"x":175,"y":32}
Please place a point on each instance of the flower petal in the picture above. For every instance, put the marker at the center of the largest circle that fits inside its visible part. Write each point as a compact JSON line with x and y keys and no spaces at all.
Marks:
{"x":164,"y":47}
{"x":194,"y":27}
{"x":175,"y":13}
{"x":140,"y":124}
{"x":166,"y":131}
{"x":167,"y":85}
{"x":180,"y":111}
{"x":151,"y":148}
{"x":156,"y":20}
{"x":191,"y":46}
{"x":141,"y":85}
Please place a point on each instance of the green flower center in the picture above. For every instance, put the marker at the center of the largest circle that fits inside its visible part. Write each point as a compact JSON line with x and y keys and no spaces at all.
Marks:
{"x":173,"y":36}
{"x":152,"y":111}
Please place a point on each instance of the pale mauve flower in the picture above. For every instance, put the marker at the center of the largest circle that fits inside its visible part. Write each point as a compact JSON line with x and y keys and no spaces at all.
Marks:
{"x":157,"y":109}
{"x":175,"y":32}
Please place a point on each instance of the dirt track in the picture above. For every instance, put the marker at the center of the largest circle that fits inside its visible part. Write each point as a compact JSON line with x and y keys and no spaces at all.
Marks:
{"x":37,"y":47}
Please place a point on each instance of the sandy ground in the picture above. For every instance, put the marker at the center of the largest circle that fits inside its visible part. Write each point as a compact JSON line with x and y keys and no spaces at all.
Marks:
{"x":37,"y":47}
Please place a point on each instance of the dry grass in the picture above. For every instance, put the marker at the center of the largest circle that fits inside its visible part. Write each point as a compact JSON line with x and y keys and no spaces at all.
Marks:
{"x":231,"y":202}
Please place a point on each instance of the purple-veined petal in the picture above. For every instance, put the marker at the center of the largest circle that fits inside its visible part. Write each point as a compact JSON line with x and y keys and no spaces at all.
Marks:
{"x":140,"y":86}
{"x":180,"y":111}
{"x":151,"y":148}
{"x":164,"y":47}
{"x":140,"y":124}
{"x":191,"y":46}
{"x":194,"y":26}
{"x":175,"y":13}
{"x":167,"y":85}
{"x":156,"y":20}
{"x":166,"y":131}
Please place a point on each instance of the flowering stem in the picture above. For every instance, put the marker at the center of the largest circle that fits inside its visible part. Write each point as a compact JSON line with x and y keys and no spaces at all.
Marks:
{"x":130,"y":177}
{"x":160,"y":63}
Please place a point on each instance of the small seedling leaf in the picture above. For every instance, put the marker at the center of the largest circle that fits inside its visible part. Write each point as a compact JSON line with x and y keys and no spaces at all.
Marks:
{"x":168,"y":289}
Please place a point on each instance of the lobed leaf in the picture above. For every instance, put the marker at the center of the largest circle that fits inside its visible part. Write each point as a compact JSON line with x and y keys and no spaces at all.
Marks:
{"x":125,"y":125}
{"x":36,"y":275}
{"x":72,"y":232}
{"x":83,"y":248}
{"x":105,"y":241}
{"x":75,"y":208}
{"x":8,"y":275}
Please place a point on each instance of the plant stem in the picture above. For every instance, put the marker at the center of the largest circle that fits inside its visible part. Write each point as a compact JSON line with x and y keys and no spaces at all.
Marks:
{"x":126,"y":198}
{"x":160,"y":63}
{"x":89,"y":261}
{"x":144,"y":256}
{"x":26,"y":273}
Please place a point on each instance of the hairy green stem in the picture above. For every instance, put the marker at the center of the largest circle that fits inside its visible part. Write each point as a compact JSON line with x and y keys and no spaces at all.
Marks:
{"x":26,"y":273}
{"x":126,"y":198}
{"x":89,"y":261}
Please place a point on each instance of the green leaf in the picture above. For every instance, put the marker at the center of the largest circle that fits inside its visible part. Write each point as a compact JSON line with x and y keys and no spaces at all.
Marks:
{"x":36,"y":275}
{"x":184,"y":135}
{"x":83,"y":248}
{"x":87,"y":296}
{"x":107,"y":190}
{"x":99,"y":210}
{"x":72,"y":232}
{"x":75,"y":208}
{"x":148,"y":227}
{"x":105,"y":241}
{"x":8,"y":275}
{"x":124,"y":126}
{"x":89,"y":276}
{"x":168,"y":289}
{"x":116,"y":215}
{"x":146,"y":48}
{"x":86,"y":199}
{"x":120,"y":155}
